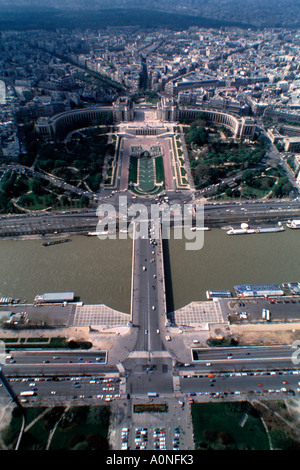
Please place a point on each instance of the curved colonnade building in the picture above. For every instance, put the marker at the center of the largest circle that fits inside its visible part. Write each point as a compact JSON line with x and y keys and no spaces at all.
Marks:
{"x":123,"y":110}
{"x":241,"y":127}
{"x":60,"y":124}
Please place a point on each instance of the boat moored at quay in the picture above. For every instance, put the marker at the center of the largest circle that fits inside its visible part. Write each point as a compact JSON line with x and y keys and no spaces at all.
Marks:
{"x":245,"y":229}
{"x":293,"y":224}
{"x":258,"y":290}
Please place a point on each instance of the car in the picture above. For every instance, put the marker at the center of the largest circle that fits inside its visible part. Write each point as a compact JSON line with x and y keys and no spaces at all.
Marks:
{"x":146,"y":332}
{"x":153,"y":307}
{"x":157,"y":331}
{"x":53,"y":392}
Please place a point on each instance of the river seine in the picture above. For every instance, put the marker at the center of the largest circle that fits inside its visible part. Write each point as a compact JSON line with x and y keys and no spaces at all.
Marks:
{"x":99,"y":271}
{"x":228,"y":260}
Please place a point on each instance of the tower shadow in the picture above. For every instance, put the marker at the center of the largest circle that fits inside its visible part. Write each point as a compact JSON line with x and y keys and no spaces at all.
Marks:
{"x":168,"y":281}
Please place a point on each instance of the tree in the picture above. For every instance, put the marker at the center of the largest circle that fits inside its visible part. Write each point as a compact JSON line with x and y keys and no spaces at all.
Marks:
{"x":84,"y":445}
{"x":25,"y":200}
{"x":247,"y":177}
{"x":198,"y":136}
{"x":4,"y":201}
{"x":209,"y":435}
{"x":36,"y":186}
{"x":225,"y":438}
{"x":97,"y":442}
{"x":84,"y":201}
{"x":283,"y":187}
{"x":7,"y":184}
{"x":280,"y":440}
{"x":60,"y":164}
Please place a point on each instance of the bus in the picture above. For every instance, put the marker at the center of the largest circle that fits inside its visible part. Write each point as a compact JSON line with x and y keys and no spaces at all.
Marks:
{"x":28,"y":393}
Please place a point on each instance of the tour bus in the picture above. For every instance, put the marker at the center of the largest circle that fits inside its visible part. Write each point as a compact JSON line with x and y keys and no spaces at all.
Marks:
{"x":28,"y":393}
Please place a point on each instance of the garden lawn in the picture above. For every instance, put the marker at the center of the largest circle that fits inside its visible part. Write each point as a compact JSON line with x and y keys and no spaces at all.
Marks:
{"x":146,"y":174}
{"x":86,"y":427}
{"x":218,"y":426}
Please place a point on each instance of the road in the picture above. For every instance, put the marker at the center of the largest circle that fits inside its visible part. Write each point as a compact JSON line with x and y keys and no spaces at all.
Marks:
{"x":148,"y":292}
{"x":56,"y":362}
{"x":244,"y":358}
{"x":264,"y":209}
{"x":149,"y":367}
{"x":247,"y":367}
{"x":215,"y":214}
{"x":63,"y":388}
{"x":267,"y":384}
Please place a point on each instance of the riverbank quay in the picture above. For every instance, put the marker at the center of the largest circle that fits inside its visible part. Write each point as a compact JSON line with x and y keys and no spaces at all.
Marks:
{"x":231,"y":314}
{"x":46,"y":224}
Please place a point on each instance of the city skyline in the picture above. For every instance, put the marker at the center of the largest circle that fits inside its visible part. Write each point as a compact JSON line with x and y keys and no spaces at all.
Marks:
{"x":258,"y":13}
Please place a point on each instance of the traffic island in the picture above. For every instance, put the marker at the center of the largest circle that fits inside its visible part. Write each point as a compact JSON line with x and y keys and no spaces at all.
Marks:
{"x":151,"y":407}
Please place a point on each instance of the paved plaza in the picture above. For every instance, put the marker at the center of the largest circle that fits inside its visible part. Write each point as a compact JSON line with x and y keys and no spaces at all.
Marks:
{"x":99,"y":315}
{"x":146,"y":142}
{"x":198,"y":313}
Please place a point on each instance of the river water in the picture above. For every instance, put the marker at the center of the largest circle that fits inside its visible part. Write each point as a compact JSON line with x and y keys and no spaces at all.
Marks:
{"x":99,"y":271}
{"x":225,"y":261}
